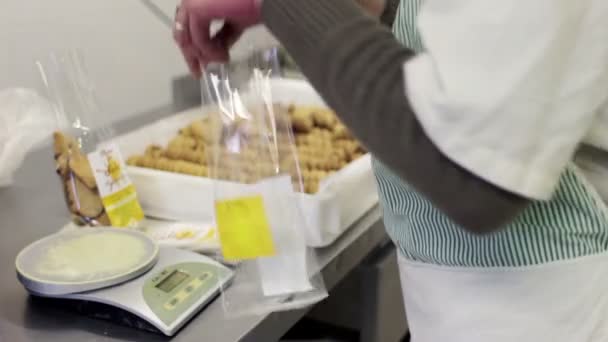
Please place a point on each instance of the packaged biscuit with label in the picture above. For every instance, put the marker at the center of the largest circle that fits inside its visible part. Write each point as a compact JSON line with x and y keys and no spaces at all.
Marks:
{"x":91,"y":169}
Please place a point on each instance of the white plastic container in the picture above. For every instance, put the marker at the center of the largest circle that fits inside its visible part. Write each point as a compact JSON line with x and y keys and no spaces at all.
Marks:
{"x":342,"y":198}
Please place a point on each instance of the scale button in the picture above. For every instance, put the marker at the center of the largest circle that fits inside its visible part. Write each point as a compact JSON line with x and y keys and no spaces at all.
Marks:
{"x":181,"y":295}
{"x":203,"y":276}
{"x":189,"y":288}
{"x":164,"y":272}
{"x":195,"y":283}
{"x":170,"y":305}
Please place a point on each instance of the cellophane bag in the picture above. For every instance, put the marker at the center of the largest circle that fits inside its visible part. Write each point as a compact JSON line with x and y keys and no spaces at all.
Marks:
{"x":97,"y":190}
{"x":254,"y":165}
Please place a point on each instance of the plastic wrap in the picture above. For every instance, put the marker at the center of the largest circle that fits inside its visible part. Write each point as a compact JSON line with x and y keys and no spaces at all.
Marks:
{"x":254,"y":164}
{"x":25,"y":122}
{"x":91,"y":169}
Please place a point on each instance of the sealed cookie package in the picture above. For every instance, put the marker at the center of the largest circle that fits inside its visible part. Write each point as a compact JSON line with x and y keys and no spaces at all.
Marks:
{"x":90,"y":167}
{"x":253,"y":161}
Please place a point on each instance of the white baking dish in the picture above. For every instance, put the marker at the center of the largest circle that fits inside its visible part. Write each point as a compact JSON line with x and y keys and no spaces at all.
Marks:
{"x":342,"y":199}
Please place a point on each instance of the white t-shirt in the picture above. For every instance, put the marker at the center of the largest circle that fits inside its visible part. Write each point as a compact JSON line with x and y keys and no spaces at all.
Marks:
{"x":509,"y":89}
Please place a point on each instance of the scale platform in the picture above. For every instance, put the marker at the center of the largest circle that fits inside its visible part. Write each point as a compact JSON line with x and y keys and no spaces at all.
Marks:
{"x":164,"y":287}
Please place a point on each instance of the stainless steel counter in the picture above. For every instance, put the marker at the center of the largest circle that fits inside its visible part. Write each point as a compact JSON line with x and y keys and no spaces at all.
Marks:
{"x":34,"y":207}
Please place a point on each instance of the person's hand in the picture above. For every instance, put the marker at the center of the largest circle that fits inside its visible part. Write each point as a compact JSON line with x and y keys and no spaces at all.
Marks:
{"x":192,"y":33}
{"x":373,"y":7}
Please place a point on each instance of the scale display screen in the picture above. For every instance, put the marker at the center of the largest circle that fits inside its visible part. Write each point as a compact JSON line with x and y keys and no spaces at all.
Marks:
{"x":172,"y":281}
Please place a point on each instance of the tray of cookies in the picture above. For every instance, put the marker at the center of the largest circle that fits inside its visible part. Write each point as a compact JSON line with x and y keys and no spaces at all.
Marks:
{"x":168,"y":165}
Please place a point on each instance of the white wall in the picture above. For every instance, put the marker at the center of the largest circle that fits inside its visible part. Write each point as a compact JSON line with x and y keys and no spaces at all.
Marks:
{"x":130,"y":54}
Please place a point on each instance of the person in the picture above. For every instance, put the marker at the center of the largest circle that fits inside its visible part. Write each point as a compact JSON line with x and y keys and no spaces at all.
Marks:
{"x":375,"y":8}
{"x":486,"y":121}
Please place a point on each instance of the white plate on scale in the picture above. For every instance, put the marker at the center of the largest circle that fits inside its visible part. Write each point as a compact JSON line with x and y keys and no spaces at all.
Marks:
{"x":123,"y":269}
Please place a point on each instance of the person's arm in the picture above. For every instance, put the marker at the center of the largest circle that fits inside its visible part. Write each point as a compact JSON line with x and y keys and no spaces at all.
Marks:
{"x":481,"y":122}
{"x":357,"y":67}
{"x":489,"y":121}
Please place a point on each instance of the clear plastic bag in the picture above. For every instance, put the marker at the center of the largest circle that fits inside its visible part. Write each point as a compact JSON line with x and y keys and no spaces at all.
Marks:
{"x":254,"y":163}
{"x":97,"y":190}
{"x":25,"y":122}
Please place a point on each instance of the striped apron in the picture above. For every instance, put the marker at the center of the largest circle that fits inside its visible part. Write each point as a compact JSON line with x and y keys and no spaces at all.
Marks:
{"x":542,"y":278}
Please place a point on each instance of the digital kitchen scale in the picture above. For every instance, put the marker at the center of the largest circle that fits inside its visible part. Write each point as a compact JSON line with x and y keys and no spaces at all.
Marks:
{"x":124,"y":269}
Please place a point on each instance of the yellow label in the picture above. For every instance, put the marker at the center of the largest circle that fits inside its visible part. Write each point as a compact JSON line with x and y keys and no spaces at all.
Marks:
{"x":244,"y":229}
{"x":116,"y":190}
{"x":184,"y":234}
{"x":123,"y":207}
{"x":211,"y":235}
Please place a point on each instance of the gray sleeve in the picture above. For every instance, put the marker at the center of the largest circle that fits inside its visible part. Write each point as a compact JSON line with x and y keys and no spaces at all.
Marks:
{"x":357,"y":66}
